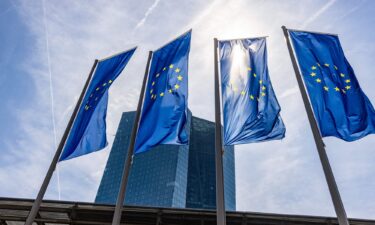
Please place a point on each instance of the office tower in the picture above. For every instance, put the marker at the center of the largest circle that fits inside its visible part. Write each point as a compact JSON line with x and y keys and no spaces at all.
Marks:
{"x":169,"y":175}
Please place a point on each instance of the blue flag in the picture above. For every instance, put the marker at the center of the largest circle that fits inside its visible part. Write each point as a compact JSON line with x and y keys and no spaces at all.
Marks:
{"x":250,"y":108}
{"x":340,"y":106}
{"x":164,"y":111}
{"x":88,"y":133}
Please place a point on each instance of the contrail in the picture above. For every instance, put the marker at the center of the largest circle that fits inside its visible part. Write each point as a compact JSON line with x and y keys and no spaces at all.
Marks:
{"x":148,"y":12}
{"x":358,"y":6}
{"x":203,"y":14}
{"x":7,"y":10}
{"x":318,"y":13}
{"x":51,"y":93}
{"x":12,"y":7}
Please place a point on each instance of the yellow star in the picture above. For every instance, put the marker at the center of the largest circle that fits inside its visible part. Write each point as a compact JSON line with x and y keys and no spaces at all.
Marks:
{"x":347,"y":81}
{"x":313,"y":67}
{"x":151,"y":91}
{"x":335,"y":67}
{"x":97,"y":89}
{"x":164,"y":68}
{"x":343,"y":91}
{"x":326,"y":64}
{"x":110,"y":81}
{"x":251,"y":97}
{"x":347,"y":87}
{"x":177,"y":70}
{"x":179,"y":77}
{"x":337,"y":89}
{"x":260,"y":82}
{"x":318,"y":80}
{"x":87,"y":107}
{"x":176,"y":86}
{"x":152,"y":96}
{"x":104,"y":84}
{"x":313,"y":74}
{"x":255,"y":75}
{"x":248,"y":68}
{"x":243,"y":92}
{"x":342,"y":75}
{"x":158,"y":74}
{"x":318,"y":64}
{"x":264,"y":88}
{"x":325,"y":88}
{"x":153,"y":83}
{"x":171,"y":66}
{"x":162,"y":94}
{"x":263,"y":94}
{"x":170,"y":91}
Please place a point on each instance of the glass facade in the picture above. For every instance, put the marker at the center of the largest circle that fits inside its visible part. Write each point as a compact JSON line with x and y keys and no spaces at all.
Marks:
{"x":201,"y":188}
{"x":169,"y":175}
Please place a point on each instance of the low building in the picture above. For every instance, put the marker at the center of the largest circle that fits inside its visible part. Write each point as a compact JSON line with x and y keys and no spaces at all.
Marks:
{"x":14,"y":212}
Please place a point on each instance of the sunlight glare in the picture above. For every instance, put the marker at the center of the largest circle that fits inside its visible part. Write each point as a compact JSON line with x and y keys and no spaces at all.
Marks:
{"x":238,"y":72}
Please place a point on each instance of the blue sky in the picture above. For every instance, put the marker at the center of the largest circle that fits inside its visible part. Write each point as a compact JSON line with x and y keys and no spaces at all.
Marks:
{"x":45,"y":59}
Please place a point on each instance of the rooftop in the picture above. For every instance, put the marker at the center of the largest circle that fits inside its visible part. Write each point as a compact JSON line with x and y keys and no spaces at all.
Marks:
{"x":14,"y":211}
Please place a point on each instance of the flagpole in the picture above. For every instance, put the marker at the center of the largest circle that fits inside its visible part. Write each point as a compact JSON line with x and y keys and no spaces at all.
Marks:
{"x":36,"y":205}
{"x":334,"y":191}
{"x":220,"y":202}
{"x":125,"y":173}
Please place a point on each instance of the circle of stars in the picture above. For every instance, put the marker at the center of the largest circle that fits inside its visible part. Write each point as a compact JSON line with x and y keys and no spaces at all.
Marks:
{"x":172,"y":89}
{"x":314,"y":74}
{"x":252,"y":96}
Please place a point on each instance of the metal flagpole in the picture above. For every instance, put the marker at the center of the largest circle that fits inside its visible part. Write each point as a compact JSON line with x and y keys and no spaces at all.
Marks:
{"x":129,"y":158}
{"x":220,"y":203}
{"x":36,"y":205}
{"x":335,"y":195}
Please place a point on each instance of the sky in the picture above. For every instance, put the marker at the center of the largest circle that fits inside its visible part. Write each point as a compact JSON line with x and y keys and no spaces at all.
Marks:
{"x":48,"y":47}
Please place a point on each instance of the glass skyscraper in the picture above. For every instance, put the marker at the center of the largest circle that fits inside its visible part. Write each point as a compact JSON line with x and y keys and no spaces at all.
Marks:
{"x":169,"y":175}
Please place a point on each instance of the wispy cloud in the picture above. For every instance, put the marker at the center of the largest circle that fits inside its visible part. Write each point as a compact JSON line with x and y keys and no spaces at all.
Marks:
{"x":323,"y":9}
{"x":206,"y":12}
{"x":359,"y":4}
{"x":289,"y":92}
{"x":148,"y":12}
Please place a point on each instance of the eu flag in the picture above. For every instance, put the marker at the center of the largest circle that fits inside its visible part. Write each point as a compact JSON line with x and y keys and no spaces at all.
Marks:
{"x":340,"y":106}
{"x":250,"y":108}
{"x":164,"y":111}
{"x":88,"y":133}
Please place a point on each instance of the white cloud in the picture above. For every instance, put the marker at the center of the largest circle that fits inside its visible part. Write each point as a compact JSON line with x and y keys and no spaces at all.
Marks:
{"x":148,"y":12}
{"x":288,"y":92}
{"x":318,"y":13}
